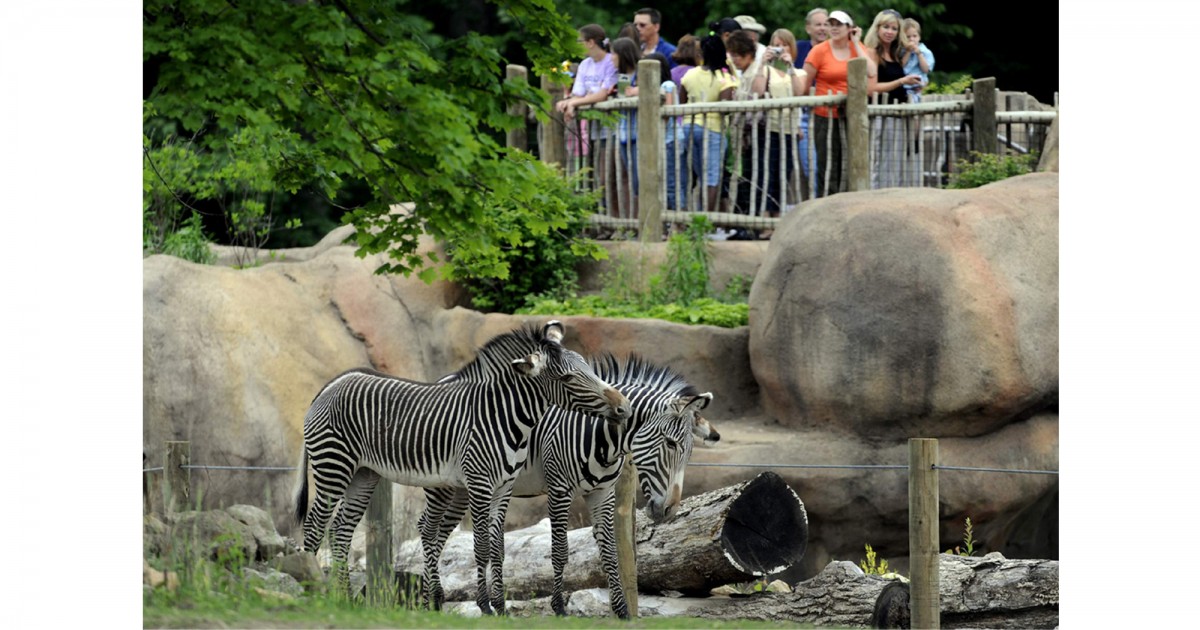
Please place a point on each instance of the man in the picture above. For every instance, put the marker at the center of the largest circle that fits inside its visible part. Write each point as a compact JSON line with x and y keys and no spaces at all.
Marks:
{"x":816,"y":24}
{"x":648,"y":22}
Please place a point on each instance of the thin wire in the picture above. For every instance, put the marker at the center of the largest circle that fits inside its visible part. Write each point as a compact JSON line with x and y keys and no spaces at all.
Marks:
{"x":155,"y":469}
{"x":1004,"y":470}
{"x":850,"y":466}
{"x":283,"y":468}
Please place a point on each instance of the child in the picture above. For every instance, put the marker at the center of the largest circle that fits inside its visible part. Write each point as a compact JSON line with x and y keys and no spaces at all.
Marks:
{"x":918,"y":59}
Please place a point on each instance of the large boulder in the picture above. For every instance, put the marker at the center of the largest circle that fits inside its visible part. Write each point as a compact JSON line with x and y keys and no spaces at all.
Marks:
{"x":911,"y":313}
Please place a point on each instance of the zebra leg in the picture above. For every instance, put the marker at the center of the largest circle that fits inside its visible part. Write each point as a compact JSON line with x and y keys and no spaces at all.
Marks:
{"x":497,"y":547}
{"x":559,"y":506}
{"x":602,"y":505}
{"x":444,"y":509}
{"x":354,"y":505}
{"x":330,"y":479}
{"x":480,"y":503}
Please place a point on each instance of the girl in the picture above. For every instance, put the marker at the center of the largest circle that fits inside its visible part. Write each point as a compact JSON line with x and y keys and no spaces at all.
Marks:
{"x":709,"y":83}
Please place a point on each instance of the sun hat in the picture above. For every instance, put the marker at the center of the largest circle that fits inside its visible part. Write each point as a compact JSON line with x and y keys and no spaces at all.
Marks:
{"x":748,"y":23}
{"x":842,"y":17}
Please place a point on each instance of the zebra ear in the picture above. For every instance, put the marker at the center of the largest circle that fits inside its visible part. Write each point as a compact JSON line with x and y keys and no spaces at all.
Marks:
{"x":530,"y":365}
{"x":699,"y":402}
{"x":554,"y":331}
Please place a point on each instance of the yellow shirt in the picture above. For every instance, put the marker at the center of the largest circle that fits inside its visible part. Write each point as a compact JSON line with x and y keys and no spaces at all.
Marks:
{"x":705,"y":86}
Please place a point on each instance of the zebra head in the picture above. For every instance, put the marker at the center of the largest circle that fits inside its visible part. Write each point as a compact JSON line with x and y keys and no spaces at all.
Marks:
{"x":704,"y":430}
{"x":661,"y":450}
{"x":569,"y":380}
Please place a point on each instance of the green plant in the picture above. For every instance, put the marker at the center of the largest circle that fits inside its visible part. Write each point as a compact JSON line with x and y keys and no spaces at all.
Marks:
{"x":946,"y":83}
{"x":684,"y":277}
{"x":968,"y":546}
{"x":189,"y":242}
{"x":987,"y":168}
{"x":870,"y":567}
{"x":516,"y":252}
{"x":737,"y":289}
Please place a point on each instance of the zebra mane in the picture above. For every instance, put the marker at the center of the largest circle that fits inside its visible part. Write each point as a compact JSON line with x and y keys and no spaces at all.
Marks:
{"x":496,"y":356}
{"x":637,"y":371}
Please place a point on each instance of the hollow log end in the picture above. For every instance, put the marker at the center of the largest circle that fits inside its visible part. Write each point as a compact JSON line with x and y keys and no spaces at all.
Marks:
{"x":766,"y":527}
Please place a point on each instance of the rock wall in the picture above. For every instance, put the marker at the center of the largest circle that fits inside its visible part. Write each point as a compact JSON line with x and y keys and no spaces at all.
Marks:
{"x":875,"y":317}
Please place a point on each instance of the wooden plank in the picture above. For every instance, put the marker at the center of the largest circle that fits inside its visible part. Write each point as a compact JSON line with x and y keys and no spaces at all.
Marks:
{"x":649,"y":150}
{"x":518,"y":138}
{"x":554,"y":147}
{"x":858,"y":127}
{"x":984,"y":116}
{"x":923,"y":532}
{"x":177,"y":480}
{"x":625,"y":525}
{"x":381,"y":574}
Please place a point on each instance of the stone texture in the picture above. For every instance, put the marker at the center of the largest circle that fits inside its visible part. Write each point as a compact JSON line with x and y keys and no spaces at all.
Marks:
{"x":875,"y":316}
{"x":906,"y":313}
{"x":270,"y":543}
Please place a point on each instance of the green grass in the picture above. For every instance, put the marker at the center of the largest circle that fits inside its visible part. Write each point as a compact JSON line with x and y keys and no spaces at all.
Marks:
{"x":250,"y":610}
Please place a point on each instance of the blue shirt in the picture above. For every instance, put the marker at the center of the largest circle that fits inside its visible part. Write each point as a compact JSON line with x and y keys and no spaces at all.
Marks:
{"x":914,"y":65}
{"x":802,"y":48}
{"x":666,"y":49}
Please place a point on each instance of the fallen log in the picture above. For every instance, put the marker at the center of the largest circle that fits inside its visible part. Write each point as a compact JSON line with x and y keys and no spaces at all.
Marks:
{"x":731,"y":534}
{"x":987,"y":592}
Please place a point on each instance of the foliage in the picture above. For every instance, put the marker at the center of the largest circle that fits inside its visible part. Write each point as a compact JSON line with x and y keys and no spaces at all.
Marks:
{"x":684,"y":277}
{"x":687,"y":16}
{"x":870,"y":567}
{"x":968,"y":546}
{"x":703,"y":311}
{"x":515,"y":254}
{"x":987,"y":168}
{"x":321,"y":98}
{"x":189,"y":242}
{"x":946,"y":83}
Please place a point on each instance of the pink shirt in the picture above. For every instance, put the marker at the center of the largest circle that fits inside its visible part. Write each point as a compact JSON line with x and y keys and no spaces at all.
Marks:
{"x":594,"y":76}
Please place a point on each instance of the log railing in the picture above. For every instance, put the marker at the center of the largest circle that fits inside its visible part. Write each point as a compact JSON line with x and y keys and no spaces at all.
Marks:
{"x":883,"y":146}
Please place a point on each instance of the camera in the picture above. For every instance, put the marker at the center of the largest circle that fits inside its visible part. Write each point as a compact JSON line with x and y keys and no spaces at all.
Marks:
{"x":776,"y":50}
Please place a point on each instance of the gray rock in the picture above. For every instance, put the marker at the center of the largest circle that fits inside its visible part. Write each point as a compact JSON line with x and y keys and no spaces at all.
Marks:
{"x":302,"y":566}
{"x":273,"y":580}
{"x":213,"y":534}
{"x":270,"y":543}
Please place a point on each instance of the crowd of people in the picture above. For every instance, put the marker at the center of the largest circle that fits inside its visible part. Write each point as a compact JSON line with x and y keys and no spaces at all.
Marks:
{"x":731,"y":62}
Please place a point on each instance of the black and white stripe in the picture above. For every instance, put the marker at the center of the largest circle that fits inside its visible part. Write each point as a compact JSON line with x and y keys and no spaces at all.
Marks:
{"x":466,"y":434}
{"x":574,"y":453}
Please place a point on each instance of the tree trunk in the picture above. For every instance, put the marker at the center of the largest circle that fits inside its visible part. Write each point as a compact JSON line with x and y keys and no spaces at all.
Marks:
{"x":987,"y":592}
{"x":727,"y":535}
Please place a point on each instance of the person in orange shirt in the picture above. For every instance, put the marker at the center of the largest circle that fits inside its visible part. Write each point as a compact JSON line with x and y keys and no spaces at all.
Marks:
{"x":829,"y":63}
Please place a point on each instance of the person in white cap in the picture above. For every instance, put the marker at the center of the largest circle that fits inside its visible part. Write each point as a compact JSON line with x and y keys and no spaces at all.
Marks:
{"x":829,"y":62}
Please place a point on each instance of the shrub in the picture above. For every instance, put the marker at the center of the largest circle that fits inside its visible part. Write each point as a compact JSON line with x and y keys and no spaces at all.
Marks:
{"x":536,"y":253}
{"x":189,"y":242}
{"x":985,"y":169}
{"x":945,"y":83}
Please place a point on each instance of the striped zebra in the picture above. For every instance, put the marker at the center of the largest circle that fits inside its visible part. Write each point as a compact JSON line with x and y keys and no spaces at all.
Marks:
{"x":471,"y":435}
{"x":573,"y":453}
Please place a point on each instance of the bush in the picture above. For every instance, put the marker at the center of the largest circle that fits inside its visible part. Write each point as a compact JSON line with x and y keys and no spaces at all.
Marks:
{"x":985,"y":169}
{"x":190,"y":243}
{"x":945,"y":83}
{"x":538,"y":251}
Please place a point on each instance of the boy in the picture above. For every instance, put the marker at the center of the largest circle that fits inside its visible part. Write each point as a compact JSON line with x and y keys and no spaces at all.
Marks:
{"x":918,"y":59}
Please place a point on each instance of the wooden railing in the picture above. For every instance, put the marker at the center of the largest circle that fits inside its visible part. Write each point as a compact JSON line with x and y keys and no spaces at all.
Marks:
{"x":913,"y":145}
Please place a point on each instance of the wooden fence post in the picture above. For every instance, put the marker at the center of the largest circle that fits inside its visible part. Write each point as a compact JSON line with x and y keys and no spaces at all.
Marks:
{"x":624,"y":523}
{"x":983,"y":121}
{"x":553,"y":147}
{"x":924,"y":603}
{"x":858,"y":126}
{"x":518,"y":138}
{"x":177,"y":480}
{"x":649,"y":151}
{"x":381,"y":573}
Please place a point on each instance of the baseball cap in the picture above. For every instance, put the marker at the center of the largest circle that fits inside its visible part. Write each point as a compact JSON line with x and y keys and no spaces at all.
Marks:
{"x":748,"y":23}
{"x":725,"y":25}
{"x":842,"y":17}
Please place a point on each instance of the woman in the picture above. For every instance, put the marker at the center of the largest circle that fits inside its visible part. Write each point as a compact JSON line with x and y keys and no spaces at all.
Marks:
{"x":593,"y":82}
{"x":890,"y":155}
{"x":708,"y":83}
{"x":829,"y":63}
{"x":782,"y":125}
{"x":625,"y":55}
{"x":686,"y":57}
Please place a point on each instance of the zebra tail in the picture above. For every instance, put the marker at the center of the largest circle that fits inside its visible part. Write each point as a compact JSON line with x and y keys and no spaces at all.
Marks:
{"x":302,"y":489}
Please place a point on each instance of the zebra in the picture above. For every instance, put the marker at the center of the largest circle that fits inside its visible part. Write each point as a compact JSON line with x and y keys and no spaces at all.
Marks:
{"x":572,"y":452}
{"x":471,"y":435}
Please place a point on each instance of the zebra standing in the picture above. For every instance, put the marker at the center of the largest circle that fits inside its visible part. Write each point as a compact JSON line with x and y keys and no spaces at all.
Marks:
{"x":572,"y":452}
{"x":471,"y":435}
